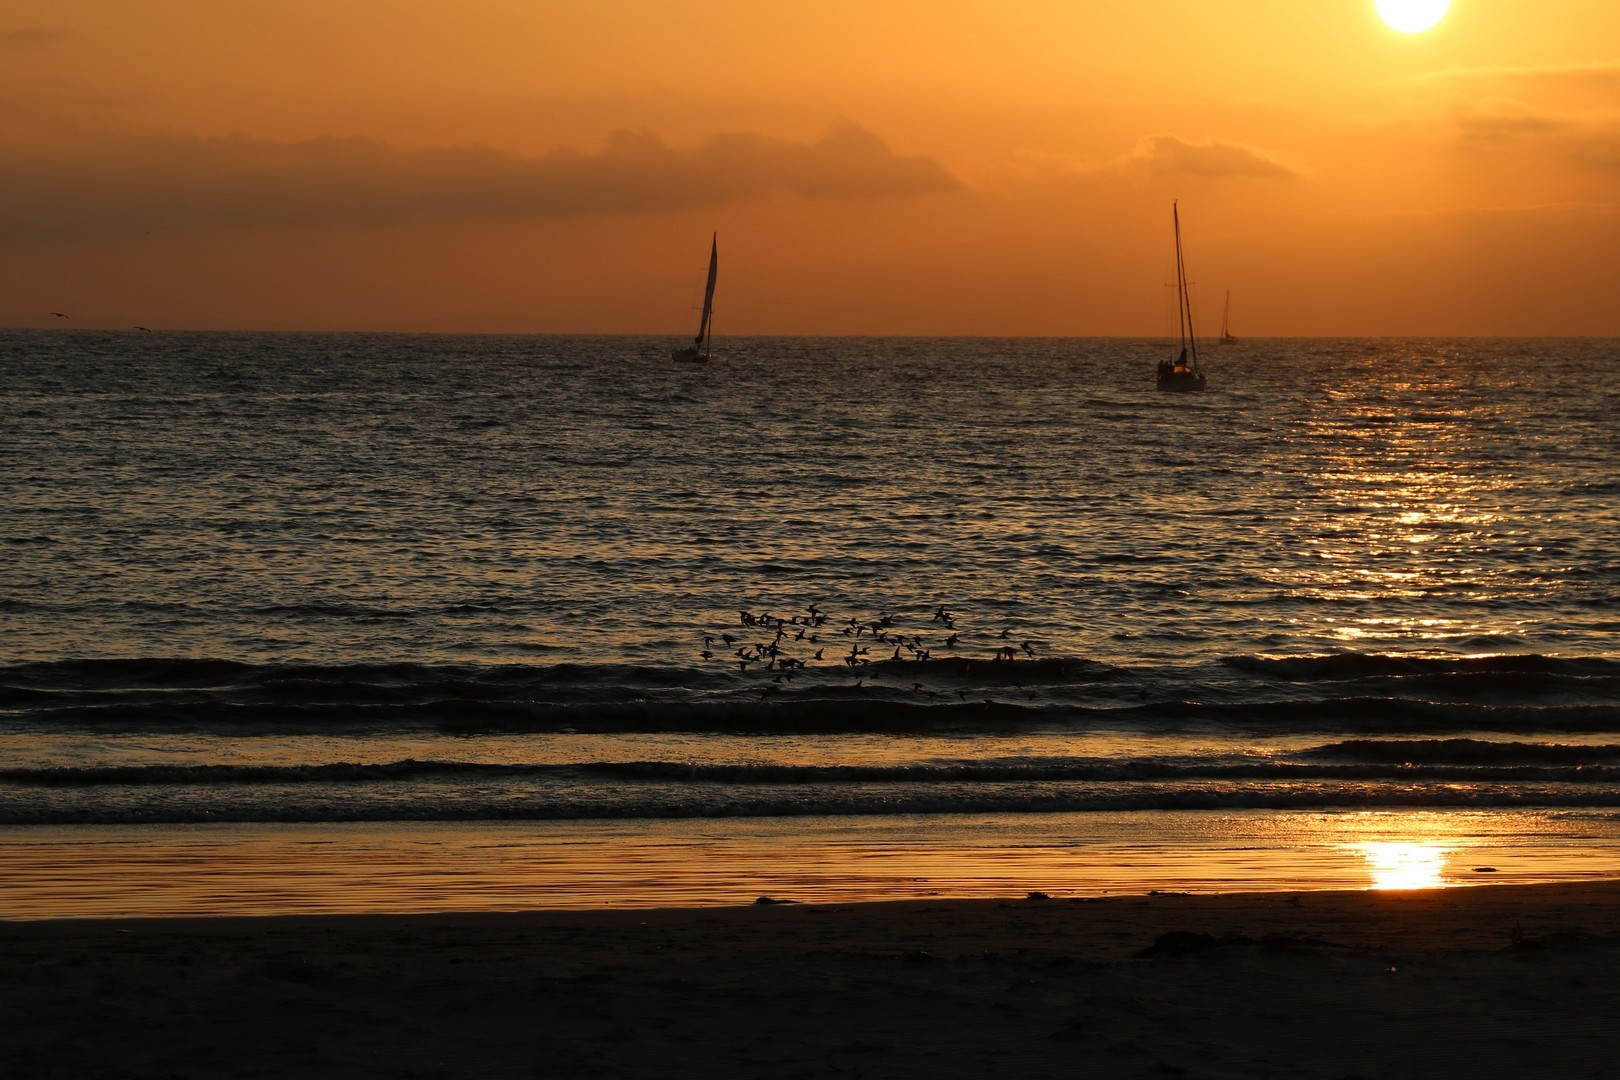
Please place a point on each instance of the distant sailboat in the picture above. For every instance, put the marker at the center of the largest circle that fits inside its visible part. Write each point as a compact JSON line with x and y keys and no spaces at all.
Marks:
{"x":1226,"y":321}
{"x":698,"y":351}
{"x":1182,"y":374}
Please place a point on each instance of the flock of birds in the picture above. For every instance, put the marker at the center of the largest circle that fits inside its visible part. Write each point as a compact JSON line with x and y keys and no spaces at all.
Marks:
{"x":866,"y":647}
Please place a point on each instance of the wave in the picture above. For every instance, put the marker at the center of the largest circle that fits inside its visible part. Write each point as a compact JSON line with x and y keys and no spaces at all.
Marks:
{"x":999,"y":770}
{"x":782,"y":716}
{"x":1467,"y":750}
{"x":164,"y":671}
{"x":1355,"y":665}
{"x":724,"y":802}
{"x":1351,"y":692}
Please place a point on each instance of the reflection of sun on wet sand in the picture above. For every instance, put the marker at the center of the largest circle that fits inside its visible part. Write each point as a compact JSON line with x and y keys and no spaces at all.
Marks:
{"x":1399,"y":865}
{"x":1507,"y":981}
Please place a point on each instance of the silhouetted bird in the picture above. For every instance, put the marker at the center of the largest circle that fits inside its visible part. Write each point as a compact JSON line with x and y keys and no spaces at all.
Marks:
{"x":59,"y":315}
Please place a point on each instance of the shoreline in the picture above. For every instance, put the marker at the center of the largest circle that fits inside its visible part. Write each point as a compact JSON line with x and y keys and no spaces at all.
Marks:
{"x":1501,"y":980}
{"x":221,"y":869}
{"x":1423,"y":920}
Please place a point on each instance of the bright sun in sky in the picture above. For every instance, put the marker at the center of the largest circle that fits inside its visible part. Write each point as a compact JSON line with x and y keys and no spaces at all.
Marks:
{"x":1412,"y":16}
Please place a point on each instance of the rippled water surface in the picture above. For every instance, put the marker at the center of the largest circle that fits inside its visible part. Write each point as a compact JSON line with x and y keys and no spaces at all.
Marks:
{"x":330,"y":499}
{"x":321,"y":578}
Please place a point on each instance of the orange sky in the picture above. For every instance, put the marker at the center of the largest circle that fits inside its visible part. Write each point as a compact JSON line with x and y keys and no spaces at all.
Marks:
{"x":872,"y":166}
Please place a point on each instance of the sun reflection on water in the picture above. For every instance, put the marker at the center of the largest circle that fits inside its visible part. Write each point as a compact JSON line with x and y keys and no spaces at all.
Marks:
{"x":1404,"y":865}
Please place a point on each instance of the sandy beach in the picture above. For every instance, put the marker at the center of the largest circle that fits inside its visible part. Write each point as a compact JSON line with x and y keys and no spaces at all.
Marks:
{"x":1490,"y":981}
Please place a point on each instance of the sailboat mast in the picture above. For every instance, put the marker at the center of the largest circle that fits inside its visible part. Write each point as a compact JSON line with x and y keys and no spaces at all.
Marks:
{"x":1185,"y":294}
{"x":1181,"y":282}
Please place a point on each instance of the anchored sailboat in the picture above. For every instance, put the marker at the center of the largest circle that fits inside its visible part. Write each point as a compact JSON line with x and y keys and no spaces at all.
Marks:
{"x":1226,"y":321}
{"x":1182,"y":373}
{"x":699,"y":349}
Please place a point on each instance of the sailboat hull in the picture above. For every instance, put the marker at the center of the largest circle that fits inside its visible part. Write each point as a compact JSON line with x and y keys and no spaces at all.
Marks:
{"x":688,"y":355}
{"x":1182,"y":385}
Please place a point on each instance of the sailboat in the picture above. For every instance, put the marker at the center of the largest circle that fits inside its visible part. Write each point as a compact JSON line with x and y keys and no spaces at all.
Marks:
{"x":1226,"y":321}
{"x":1182,"y":374}
{"x":698,"y":351}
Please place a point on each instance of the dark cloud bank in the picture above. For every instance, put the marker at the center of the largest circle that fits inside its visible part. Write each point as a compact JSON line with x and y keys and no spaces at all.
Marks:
{"x":121,"y":185}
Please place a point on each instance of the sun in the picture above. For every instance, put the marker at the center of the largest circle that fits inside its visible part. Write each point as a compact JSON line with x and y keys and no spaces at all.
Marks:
{"x":1412,"y":16}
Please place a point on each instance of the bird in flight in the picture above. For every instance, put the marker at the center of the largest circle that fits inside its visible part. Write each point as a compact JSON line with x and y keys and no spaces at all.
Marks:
{"x":59,"y":314}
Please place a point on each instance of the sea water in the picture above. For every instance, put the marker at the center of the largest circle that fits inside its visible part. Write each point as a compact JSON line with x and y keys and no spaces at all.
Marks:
{"x":338,"y":621}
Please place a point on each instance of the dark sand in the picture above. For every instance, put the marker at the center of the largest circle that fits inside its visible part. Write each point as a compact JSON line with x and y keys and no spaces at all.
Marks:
{"x":1497,"y":981}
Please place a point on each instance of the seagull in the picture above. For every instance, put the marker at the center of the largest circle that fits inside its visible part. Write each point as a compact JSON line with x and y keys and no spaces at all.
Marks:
{"x":59,"y":314}
{"x":144,"y":329}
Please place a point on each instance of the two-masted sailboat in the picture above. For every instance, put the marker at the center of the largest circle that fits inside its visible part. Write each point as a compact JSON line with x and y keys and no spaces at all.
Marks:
{"x":1182,"y":374}
{"x":698,"y":351}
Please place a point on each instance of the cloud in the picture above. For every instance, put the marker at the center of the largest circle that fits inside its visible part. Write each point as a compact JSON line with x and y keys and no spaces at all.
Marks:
{"x":849,"y":162}
{"x":1587,"y":139}
{"x":21,"y":38}
{"x":1500,"y":119}
{"x":1171,"y":155}
{"x":1493,"y":107}
{"x":104,"y":185}
{"x":1155,"y":155}
{"x":1601,"y":75}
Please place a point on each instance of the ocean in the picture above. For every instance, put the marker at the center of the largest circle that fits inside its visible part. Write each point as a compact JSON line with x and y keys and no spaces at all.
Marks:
{"x":300,"y":622}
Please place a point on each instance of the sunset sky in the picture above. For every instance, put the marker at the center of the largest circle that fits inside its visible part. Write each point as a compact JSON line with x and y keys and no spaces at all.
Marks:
{"x":985,"y":167}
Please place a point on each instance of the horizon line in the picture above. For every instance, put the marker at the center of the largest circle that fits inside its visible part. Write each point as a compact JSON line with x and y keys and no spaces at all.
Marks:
{"x":660,"y":335}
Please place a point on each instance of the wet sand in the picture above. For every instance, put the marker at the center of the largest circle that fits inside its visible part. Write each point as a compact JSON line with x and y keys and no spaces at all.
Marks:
{"x":1498,"y":981}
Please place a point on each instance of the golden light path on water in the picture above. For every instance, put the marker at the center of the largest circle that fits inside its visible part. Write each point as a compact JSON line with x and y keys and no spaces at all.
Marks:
{"x":1402,"y":506}
{"x":1405,"y":865}
{"x":335,"y":868}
